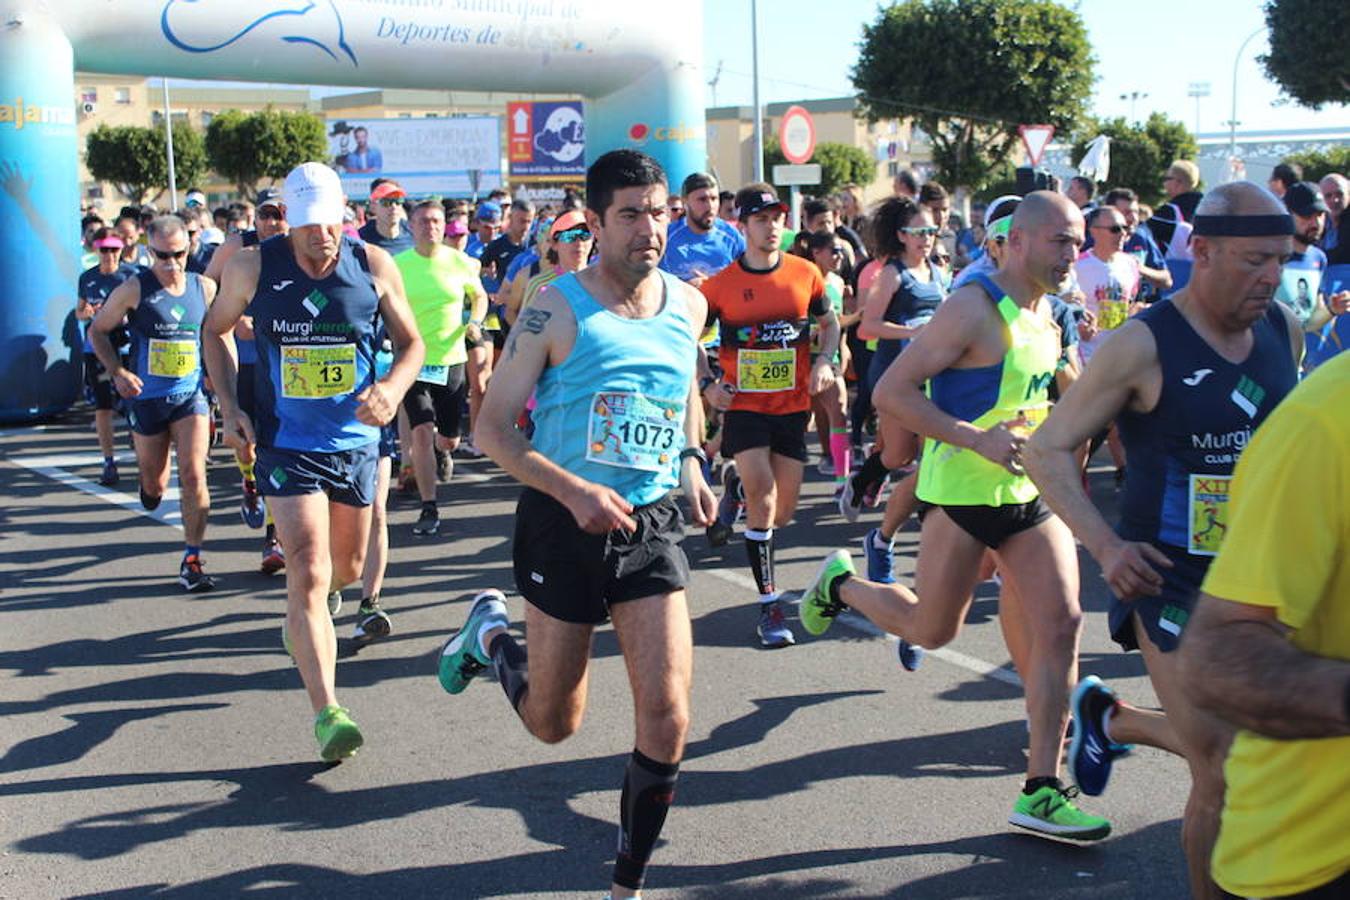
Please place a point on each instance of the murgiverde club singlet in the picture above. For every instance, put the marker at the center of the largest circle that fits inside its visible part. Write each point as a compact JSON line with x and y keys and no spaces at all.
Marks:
{"x":166,"y":333}
{"x":985,"y":396}
{"x":316,"y":350}
{"x":613,"y":411}
{"x":437,"y":287}
{"x":1182,"y":453}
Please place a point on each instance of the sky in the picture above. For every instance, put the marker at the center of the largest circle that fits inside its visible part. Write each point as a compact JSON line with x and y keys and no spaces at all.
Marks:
{"x":1150,"y":47}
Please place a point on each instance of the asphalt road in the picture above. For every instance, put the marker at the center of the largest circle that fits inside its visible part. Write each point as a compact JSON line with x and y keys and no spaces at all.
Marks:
{"x":159,"y":744}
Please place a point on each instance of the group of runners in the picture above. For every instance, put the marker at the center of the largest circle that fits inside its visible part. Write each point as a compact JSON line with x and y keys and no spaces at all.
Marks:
{"x":639,"y":350}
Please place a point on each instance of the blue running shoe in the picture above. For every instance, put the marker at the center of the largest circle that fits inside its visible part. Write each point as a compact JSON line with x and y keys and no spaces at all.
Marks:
{"x":910,"y":655}
{"x":1091,"y":753}
{"x":461,"y":657}
{"x":880,"y":563}
{"x":773,"y":628}
{"x":251,"y":506}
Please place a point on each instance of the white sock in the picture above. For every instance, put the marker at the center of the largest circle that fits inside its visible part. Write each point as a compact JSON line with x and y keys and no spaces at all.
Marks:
{"x":880,"y":543}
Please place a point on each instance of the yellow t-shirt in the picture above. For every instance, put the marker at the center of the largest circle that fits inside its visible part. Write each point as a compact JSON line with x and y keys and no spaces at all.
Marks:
{"x":1286,"y":816}
{"x":438,"y":289}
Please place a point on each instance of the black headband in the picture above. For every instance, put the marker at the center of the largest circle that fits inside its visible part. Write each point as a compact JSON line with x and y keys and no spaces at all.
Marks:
{"x":1243,"y":226}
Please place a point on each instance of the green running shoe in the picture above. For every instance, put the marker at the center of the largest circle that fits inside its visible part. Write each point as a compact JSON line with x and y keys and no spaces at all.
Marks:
{"x":336,"y":733}
{"x":817,"y":611}
{"x":1050,"y":811}
{"x":461,"y":657}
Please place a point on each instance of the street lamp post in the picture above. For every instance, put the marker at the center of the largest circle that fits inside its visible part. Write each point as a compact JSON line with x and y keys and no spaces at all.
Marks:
{"x":168,"y":143}
{"x":1232,"y":120}
{"x":758,"y":164}
{"x":1197,"y":89}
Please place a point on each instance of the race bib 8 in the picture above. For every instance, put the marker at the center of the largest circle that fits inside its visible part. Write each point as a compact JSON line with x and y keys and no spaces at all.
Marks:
{"x":1207,"y":508}
{"x":172,"y":359}
{"x":633,"y":431}
{"x":766,"y":371}
{"x":317,"y":371}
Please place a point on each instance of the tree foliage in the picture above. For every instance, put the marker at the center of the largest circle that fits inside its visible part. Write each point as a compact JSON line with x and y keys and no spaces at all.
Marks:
{"x":1317,"y":164}
{"x":968,"y":72}
{"x":840,"y":164}
{"x":1307,"y":56}
{"x":1140,"y":154}
{"x":136,"y":160}
{"x":245,"y":148}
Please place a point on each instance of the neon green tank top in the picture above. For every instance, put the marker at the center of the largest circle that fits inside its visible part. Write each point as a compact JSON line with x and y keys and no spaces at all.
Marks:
{"x":437,"y":288}
{"x":985,"y":396}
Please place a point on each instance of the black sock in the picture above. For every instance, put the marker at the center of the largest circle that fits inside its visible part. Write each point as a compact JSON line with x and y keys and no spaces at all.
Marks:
{"x":512,"y":667}
{"x":270,"y":533}
{"x":648,"y":791}
{"x":759,"y":550}
{"x":431,"y":505}
{"x":871,"y":472}
{"x":835,"y":584}
{"x":372,"y":600}
{"x":1035,"y":784}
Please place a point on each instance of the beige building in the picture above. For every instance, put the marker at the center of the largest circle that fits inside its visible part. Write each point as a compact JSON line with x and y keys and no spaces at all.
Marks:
{"x":115,"y":100}
{"x":894,"y":144}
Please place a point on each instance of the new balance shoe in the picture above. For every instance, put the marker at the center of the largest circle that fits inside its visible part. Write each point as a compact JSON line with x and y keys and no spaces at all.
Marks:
{"x":336,"y":733}
{"x":110,"y":477}
{"x":773,"y":629}
{"x":1050,"y":811}
{"x":334,"y":602}
{"x":273,"y":558}
{"x":1091,"y":753}
{"x":191,"y":576}
{"x":818,"y":610}
{"x":880,"y":561}
{"x":463,"y":657}
{"x":371,"y":621}
{"x":251,"y":506}
{"x":428,"y":523}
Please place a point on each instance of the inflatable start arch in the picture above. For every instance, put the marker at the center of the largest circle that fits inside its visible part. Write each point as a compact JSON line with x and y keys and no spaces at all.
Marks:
{"x":638,"y":64}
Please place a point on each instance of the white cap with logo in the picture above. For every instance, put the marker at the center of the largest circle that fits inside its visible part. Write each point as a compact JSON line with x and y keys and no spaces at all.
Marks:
{"x":313,"y":196}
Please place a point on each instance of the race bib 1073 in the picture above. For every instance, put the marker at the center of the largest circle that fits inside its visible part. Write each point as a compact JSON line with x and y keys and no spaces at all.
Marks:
{"x":630,"y":430}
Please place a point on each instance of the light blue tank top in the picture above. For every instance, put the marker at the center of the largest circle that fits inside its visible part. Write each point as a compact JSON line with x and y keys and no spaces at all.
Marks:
{"x":613,"y":412}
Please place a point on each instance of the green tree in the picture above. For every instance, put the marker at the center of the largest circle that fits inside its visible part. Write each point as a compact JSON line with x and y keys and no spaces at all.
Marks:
{"x":1317,"y":164}
{"x":840,"y":164}
{"x":1307,"y":56}
{"x":1140,"y":154}
{"x":136,"y":161}
{"x":968,"y":72}
{"x":248,"y":147}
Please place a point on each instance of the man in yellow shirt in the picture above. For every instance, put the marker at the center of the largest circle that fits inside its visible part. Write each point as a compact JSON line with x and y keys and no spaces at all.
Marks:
{"x":1268,"y":650}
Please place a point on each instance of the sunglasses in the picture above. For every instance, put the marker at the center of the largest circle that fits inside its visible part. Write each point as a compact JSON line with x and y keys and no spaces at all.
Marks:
{"x":169,"y":254}
{"x":269,"y":215}
{"x":1114,"y":229}
{"x":920,"y":231}
{"x":109,"y":249}
{"x":572,"y":235}
{"x":388,"y":202}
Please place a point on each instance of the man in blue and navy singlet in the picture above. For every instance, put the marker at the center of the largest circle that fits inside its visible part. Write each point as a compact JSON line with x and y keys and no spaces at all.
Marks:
{"x":609,"y":353}
{"x":1188,"y":381}
{"x":314,"y":296}
{"x":95,"y":284}
{"x":164,"y":306}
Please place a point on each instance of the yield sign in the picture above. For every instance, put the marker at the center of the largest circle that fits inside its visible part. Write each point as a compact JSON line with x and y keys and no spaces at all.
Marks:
{"x":1036,"y":138}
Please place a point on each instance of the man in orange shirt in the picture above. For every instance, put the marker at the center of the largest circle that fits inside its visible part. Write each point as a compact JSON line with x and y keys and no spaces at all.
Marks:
{"x":763,"y":303}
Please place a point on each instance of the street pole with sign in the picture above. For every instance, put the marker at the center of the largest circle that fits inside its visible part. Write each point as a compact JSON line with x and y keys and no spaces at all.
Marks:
{"x":797,"y":138}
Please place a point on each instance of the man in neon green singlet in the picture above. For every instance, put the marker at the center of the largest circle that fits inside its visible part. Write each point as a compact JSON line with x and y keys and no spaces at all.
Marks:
{"x":988,"y":356}
{"x":440,"y":282}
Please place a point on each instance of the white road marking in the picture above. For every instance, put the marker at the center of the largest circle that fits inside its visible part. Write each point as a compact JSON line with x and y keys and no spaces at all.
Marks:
{"x":54,"y":466}
{"x":861,"y":625}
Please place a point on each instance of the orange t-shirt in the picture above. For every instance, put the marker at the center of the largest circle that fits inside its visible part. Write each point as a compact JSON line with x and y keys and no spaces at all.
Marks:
{"x":764,"y":321}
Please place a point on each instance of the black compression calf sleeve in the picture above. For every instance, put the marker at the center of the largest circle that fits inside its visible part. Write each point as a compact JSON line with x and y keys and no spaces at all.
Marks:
{"x":648,"y":791}
{"x":511,"y":665}
{"x":759,"y":551}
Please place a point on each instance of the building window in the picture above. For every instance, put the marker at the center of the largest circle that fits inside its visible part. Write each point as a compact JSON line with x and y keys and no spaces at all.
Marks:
{"x":88,"y":95}
{"x":206,"y":118}
{"x":122,"y":95}
{"x":405,"y":115}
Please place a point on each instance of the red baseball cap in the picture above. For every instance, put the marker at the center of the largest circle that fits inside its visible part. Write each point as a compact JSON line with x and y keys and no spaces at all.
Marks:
{"x":388,"y":189}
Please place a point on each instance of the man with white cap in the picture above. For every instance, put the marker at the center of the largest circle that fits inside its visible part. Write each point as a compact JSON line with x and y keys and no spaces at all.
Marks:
{"x":314,"y":297}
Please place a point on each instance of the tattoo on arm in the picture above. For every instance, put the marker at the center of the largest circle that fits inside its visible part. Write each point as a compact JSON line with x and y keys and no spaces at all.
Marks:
{"x":533,"y":320}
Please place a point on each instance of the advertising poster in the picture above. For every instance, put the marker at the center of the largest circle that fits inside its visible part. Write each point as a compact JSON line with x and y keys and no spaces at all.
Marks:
{"x":453,"y":157}
{"x":546,"y":141}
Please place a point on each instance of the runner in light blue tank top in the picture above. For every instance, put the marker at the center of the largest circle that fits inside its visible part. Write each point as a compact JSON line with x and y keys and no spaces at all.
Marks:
{"x":608,"y":420}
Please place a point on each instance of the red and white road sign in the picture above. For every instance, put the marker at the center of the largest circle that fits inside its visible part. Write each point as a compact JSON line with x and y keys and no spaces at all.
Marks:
{"x":797,"y":135}
{"x":1035,"y":138}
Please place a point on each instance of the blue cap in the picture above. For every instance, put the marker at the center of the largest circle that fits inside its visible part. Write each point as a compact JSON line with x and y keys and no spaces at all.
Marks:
{"x":489,"y":211}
